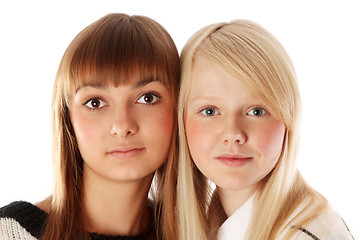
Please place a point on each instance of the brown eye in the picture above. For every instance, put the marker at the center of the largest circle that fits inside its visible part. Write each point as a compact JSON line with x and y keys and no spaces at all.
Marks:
{"x":95,"y":103}
{"x":148,"y":98}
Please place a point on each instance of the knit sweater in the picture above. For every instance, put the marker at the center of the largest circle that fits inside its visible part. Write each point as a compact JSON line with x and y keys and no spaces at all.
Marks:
{"x":25,"y":221}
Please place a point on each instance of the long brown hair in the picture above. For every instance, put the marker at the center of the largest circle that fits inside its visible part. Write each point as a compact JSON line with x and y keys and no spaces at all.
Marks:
{"x":109,"y":51}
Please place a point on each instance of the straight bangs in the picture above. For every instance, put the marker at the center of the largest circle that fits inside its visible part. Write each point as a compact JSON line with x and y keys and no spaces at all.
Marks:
{"x":251,"y":54}
{"x":119,"y":49}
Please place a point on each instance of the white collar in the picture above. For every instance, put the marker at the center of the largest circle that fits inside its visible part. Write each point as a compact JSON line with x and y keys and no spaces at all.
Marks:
{"x":236,"y":225}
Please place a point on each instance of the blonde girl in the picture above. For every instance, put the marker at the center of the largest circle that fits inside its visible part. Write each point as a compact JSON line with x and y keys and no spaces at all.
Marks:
{"x":113,"y":123}
{"x":239,"y":109}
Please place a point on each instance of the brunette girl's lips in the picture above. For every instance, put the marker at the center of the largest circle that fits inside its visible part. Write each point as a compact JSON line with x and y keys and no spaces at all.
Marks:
{"x":125,"y":152}
{"x":234,"y":159}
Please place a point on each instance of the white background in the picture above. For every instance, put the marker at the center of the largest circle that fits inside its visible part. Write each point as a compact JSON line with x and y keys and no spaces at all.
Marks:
{"x":321,"y":37}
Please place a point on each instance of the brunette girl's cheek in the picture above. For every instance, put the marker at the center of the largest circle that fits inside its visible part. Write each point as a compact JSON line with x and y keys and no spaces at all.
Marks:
{"x":166,"y":122}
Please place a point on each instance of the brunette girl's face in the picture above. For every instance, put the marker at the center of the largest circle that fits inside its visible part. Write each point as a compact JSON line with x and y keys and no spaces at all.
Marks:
{"x":123,"y":133}
{"x":233,"y":140}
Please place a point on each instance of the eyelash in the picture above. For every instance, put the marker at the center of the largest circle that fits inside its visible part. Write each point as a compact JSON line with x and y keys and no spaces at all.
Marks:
{"x":92,"y":108}
{"x":216,"y":112}
{"x":203,"y":111}
{"x":102,"y":103}
{"x":263,"y":111}
{"x":155,"y":100}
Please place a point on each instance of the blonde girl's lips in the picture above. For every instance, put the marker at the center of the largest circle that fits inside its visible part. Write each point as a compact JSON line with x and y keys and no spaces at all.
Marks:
{"x":234,"y":160}
{"x":126,"y":153}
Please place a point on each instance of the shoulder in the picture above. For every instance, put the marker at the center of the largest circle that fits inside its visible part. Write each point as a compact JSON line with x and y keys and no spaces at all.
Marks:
{"x":328,"y":225}
{"x":21,"y":219}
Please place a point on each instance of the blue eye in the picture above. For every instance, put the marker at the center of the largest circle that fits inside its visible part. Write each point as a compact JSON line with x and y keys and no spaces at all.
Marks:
{"x":95,"y":103}
{"x":148,"y":98}
{"x":209,"y":112}
{"x":257,"y":112}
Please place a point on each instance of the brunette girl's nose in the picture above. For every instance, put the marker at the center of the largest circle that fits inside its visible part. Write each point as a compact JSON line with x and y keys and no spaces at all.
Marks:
{"x":124,"y":126}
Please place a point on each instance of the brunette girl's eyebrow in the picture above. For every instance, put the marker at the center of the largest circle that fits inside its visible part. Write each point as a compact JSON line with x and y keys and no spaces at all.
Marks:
{"x":94,"y":85}
{"x":137,"y":84}
{"x":143,"y":82}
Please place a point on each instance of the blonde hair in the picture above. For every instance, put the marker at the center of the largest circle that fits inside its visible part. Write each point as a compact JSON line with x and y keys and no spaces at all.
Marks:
{"x":109,"y":51}
{"x":251,"y":54}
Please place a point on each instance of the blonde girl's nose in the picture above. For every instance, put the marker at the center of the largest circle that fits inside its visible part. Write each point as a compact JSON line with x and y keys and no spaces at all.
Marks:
{"x":234,"y":132}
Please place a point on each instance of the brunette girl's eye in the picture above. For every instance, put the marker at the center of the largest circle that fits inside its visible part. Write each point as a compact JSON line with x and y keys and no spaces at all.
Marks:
{"x":148,"y":98}
{"x":257,"y":112}
{"x":95,"y":103}
{"x":209,"y":112}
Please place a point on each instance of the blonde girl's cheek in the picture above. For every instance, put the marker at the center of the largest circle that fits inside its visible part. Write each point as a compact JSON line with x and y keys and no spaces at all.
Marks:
{"x":198,"y":138}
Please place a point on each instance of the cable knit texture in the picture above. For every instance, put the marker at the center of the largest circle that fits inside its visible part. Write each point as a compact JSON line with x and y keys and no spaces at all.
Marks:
{"x":25,"y":221}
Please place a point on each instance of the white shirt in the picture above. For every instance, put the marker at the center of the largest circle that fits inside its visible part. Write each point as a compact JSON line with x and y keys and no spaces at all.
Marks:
{"x":328,"y":226}
{"x":236,"y":225}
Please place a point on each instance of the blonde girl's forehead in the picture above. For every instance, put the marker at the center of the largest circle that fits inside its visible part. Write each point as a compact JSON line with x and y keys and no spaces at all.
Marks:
{"x":201,"y":62}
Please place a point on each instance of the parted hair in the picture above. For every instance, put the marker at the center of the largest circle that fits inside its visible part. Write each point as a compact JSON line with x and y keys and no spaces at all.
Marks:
{"x":107,"y":52}
{"x":255,"y":57}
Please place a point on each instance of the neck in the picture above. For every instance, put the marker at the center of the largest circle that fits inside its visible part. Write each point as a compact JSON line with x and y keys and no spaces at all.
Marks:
{"x":231,"y":200}
{"x":115,"y":208}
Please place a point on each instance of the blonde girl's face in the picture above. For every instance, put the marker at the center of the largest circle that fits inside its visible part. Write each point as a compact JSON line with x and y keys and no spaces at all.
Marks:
{"x":233,"y":140}
{"x":123,"y":133}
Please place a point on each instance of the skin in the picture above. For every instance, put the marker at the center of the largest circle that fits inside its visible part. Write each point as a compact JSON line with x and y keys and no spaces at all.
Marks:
{"x":123,"y":134}
{"x":232,"y":139}
{"x":126,"y":136}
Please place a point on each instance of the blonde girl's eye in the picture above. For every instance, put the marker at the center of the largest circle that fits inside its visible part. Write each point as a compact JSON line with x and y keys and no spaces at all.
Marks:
{"x":95,"y":103}
{"x":149,"y":98}
{"x":257,"y":112}
{"x":209,"y":112}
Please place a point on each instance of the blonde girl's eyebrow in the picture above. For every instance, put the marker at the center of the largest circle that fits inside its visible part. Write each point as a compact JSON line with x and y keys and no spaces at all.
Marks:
{"x":203,"y":98}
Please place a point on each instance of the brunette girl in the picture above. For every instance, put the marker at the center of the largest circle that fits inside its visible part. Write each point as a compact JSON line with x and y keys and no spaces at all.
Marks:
{"x":113,"y":127}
